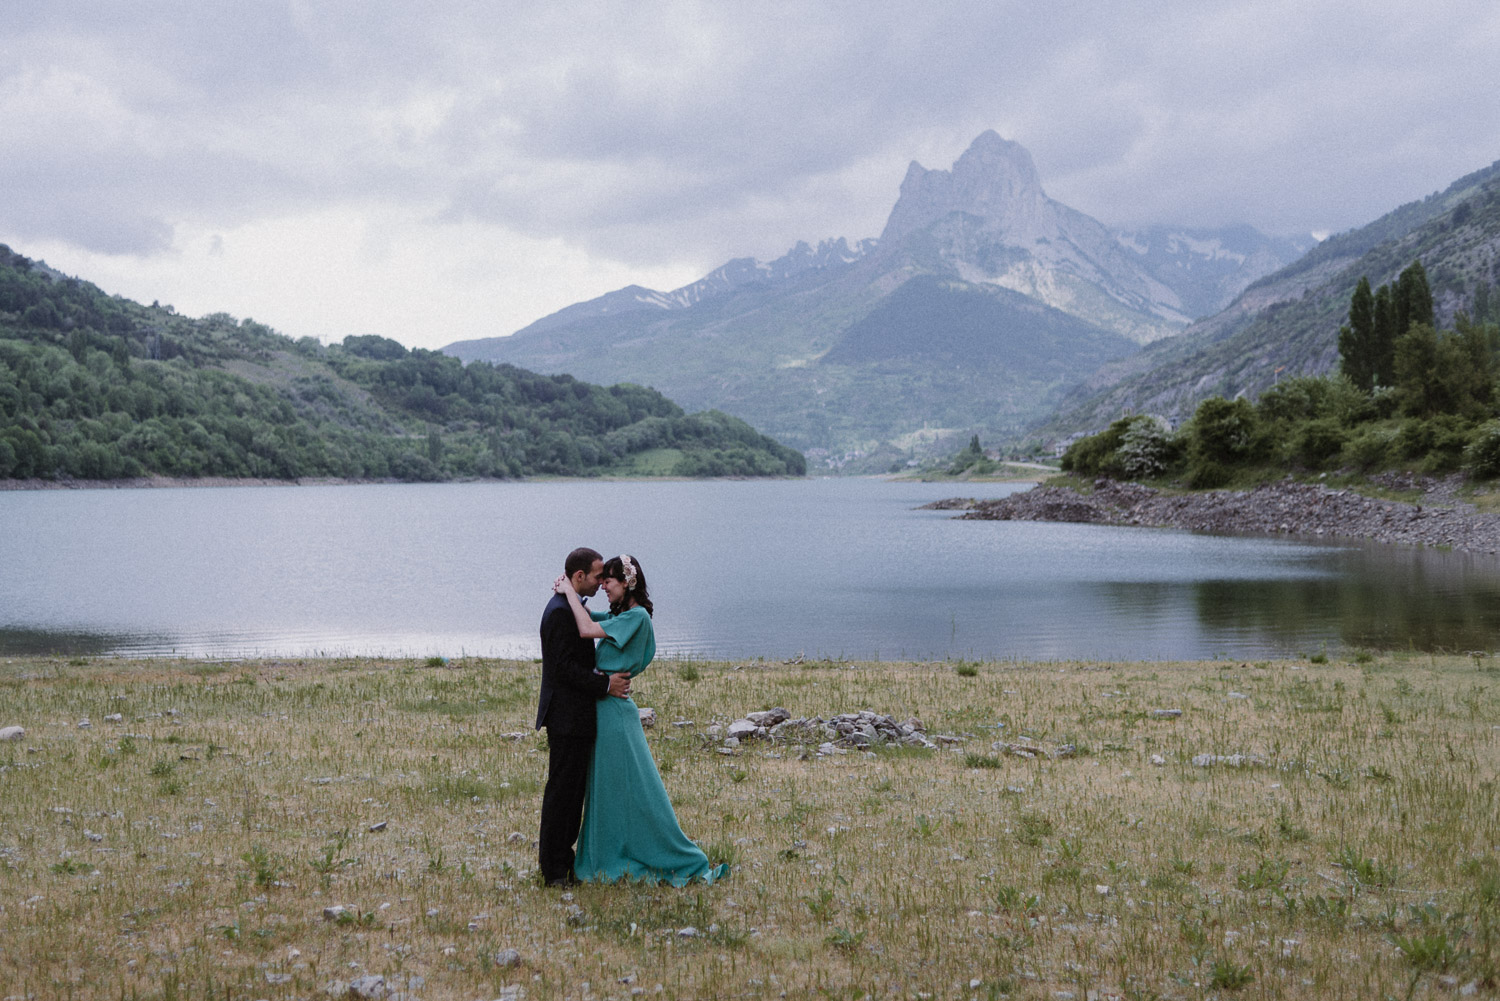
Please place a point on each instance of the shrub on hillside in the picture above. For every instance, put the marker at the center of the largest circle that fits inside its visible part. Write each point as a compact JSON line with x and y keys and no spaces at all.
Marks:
{"x":1226,"y":432}
{"x":1097,"y":455}
{"x":1317,"y":441}
{"x":1312,"y":397}
{"x":1147,"y":448}
{"x":1206,"y":474}
{"x":1482,"y":454}
{"x":1438,"y":441}
{"x":1369,"y":448}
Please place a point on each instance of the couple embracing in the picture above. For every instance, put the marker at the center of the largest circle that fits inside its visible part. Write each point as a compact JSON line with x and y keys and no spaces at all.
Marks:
{"x":603,"y":789}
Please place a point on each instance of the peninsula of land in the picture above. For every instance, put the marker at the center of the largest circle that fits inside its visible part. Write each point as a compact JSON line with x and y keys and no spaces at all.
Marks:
{"x":1438,"y":517}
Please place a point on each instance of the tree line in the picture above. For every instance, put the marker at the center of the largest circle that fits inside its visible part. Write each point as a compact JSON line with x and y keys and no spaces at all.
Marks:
{"x":1407,"y":395}
{"x":98,"y":387}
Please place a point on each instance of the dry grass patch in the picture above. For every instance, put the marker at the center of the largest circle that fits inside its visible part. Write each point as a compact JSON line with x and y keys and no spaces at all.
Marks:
{"x":1341,"y":843}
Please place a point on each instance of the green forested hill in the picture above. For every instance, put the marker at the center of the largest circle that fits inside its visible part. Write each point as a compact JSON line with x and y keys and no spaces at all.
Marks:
{"x":99,"y":387}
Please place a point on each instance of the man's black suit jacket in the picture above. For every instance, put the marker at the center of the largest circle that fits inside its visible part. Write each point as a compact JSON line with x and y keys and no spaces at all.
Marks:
{"x":570,"y":685}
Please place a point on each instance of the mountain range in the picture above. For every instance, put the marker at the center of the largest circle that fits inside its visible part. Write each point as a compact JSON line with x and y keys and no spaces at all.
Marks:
{"x":981,"y":305}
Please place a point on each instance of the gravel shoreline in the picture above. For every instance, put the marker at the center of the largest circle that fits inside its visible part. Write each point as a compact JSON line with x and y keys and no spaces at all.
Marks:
{"x":1284,"y":508}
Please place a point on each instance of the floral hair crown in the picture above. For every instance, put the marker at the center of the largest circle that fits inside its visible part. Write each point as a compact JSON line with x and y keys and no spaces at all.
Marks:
{"x":629,"y":572}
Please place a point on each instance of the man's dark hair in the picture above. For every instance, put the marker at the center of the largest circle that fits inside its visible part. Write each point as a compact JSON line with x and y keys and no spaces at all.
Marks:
{"x":581,"y":558}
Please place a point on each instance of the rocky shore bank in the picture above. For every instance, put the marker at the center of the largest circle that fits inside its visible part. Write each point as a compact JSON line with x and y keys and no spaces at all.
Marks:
{"x":1284,"y":508}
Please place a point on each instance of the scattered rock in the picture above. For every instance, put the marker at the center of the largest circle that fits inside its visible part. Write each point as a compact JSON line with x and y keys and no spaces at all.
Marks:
{"x":1158,"y":760}
{"x":515,"y":837}
{"x":744,"y":729}
{"x":1165,"y":713}
{"x":115,"y":718}
{"x":769,"y":717}
{"x":335,"y":912}
{"x":1230,"y":760}
{"x":506,"y":958}
{"x":688,"y":932}
{"x":370,"y":986}
{"x":378,"y":826}
{"x":12,"y":733}
{"x":648,"y":718}
{"x":84,"y":723}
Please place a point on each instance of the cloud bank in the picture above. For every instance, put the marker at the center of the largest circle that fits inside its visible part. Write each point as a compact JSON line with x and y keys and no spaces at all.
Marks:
{"x":457,"y":169}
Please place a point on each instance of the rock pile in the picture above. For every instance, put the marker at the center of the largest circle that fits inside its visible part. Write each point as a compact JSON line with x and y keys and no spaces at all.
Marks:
{"x":862,"y":729}
{"x":1286,"y":507}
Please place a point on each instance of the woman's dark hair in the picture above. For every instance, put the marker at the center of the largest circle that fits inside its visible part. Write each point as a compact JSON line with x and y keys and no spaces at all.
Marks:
{"x":614,"y":568}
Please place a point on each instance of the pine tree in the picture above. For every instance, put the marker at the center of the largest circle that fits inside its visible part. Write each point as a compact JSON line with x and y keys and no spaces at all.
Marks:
{"x":968,"y":456}
{"x":1357,"y":347}
{"x":1413,"y":299}
{"x":1383,"y":337}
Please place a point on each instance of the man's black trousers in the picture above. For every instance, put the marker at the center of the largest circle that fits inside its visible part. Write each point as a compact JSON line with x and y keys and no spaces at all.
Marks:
{"x":568,"y":760}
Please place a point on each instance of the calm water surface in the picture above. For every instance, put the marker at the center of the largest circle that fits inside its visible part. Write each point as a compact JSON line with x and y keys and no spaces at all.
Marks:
{"x":835,"y":568}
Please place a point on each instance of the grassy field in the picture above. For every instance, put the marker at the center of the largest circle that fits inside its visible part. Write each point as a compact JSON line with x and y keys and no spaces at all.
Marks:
{"x":189,"y":850}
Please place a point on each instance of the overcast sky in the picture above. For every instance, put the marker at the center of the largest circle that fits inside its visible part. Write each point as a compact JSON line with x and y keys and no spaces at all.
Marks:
{"x":447,"y":170}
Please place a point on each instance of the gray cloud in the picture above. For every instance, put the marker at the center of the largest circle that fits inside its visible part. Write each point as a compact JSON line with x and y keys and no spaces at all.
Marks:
{"x":683,"y":131}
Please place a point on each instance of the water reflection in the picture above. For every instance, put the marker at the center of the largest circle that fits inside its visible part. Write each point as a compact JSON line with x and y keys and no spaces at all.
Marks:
{"x":42,"y":642}
{"x":1379,"y":597}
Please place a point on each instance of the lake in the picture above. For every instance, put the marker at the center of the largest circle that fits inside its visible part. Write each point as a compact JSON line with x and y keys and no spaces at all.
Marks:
{"x":836,"y":568}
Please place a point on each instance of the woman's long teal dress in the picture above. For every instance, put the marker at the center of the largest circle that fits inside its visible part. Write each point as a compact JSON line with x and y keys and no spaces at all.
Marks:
{"x":629,"y":828}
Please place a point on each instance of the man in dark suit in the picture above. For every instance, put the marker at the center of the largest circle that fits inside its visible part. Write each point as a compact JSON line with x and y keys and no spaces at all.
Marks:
{"x":570,"y":687}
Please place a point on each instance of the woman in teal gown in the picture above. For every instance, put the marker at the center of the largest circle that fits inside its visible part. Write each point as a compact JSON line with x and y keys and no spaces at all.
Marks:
{"x":630,"y":831}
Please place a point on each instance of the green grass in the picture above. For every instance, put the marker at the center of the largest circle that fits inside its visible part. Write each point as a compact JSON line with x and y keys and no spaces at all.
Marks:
{"x":204,"y":853}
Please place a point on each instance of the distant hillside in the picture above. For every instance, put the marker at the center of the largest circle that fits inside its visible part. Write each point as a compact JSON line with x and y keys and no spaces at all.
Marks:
{"x":826,"y":349}
{"x":99,"y":387}
{"x":1286,"y":324}
{"x":977,"y":325}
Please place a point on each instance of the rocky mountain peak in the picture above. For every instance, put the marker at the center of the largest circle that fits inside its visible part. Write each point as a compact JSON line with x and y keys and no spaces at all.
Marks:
{"x":995,"y":179}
